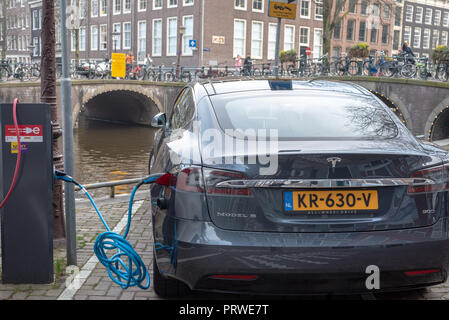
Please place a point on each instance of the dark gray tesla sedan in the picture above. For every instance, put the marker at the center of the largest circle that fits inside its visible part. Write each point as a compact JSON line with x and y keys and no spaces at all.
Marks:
{"x":294,"y":187}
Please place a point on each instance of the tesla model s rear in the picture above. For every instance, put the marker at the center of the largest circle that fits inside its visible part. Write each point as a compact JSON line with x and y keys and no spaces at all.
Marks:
{"x":291,"y":187}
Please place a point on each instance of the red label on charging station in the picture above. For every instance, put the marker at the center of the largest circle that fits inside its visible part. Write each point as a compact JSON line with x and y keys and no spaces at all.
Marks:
{"x":28,"y":133}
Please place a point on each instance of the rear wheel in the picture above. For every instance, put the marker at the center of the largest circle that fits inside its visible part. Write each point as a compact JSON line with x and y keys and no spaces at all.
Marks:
{"x":167,"y":287}
{"x":353,"y":68}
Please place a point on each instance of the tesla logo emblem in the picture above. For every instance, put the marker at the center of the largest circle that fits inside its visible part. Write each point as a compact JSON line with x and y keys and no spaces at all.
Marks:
{"x":333,"y":161}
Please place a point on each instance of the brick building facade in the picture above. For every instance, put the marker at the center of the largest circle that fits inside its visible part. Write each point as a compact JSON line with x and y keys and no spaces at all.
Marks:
{"x":425,"y":25}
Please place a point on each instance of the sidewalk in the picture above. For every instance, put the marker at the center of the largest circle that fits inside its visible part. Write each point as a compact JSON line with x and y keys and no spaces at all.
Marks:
{"x":95,"y":281}
{"x":97,"y":284}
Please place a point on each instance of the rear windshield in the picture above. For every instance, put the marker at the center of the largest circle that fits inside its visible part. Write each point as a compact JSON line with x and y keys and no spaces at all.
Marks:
{"x":303,"y":115}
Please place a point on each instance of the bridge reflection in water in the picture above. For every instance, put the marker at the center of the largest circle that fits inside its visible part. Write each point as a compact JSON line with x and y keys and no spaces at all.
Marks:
{"x":105,"y":151}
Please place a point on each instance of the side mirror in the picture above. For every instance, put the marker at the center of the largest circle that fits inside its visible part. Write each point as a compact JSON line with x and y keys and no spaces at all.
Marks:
{"x":159,"y":120}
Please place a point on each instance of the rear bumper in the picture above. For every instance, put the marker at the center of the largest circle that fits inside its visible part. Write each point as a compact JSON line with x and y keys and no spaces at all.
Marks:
{"x":296,"y":263}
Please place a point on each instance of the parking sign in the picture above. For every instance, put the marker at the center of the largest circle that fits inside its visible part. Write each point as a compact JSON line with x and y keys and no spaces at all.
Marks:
{"x":192,"y":43}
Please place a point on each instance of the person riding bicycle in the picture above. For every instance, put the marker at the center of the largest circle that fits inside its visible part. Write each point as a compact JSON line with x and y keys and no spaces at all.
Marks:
{"x":408,"y":51}
{"x":247,"y":65}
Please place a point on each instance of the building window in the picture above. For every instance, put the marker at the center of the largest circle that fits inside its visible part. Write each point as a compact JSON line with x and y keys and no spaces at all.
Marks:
{"x":418,"y":14}
{"x":82,"y":39}
{"x":350,"y":30}
{"x":364,"y":7}
{"x":258,"y":5}
{"x":157,"y":37}
{"x":444,"y":38}
{"x":94,"y":38}
{"x":103,"y":37}
{"x":428,"y":17}
{"x":304,"y":36}
{"x":336,"y":51}
{"x":240,"y":4}
{"x":141,"y":40}
{"x":407,"y":33}
{"x":396,"y":34}
{"x":126,"y":35}
{"x":445,"y":19}
{"x":272,"y":29}
{"x":397,"y":16}
{"x":172,"y":33}
{"x":117,"y":6}
{"x":188,"y":3}
{"x":362,"y":31}
{"x":337,"y":31}
{"x":157,"y":4}
{"x":426,"y":39}
{"x":94,"y":8}
{"x":172,"y":3}
{"x":35,"y":20}
{"x":187,"y":22}
{"x":305,"y":8}
{"x":289,"y":37}
{"x":36,"y":49}
{"x":126,"y":6}
{"x":103,"y":8}
{"x":239,"y":38}
{"x":408,"y":13}
{"x":317,"y":43}
{"x":373,"y":37}
{"x":319,"y":9}
{"x":256,"y":40}
{"x":385,"y":33}
{"x":437,"y":18}
{"x":352,"y":6}
{"x":417,"y":38}
{"x":82,"y":9}
{"x":72,"y":47}
{"x":142,"y":5}
{"x":387,"y":11}
{"x":435,"y":38}
{"x":116,"y":42}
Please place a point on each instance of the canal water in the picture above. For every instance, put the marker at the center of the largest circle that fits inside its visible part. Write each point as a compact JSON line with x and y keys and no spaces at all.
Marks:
{"x":106,"y":151}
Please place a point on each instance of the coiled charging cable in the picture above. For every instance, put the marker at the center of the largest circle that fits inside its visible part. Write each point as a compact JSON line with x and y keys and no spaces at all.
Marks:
{"x":125,"y":267}
{"x":19,"y":153}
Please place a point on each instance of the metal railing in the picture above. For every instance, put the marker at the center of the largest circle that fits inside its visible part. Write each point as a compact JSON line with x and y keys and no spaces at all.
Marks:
{"x":110,"y":184}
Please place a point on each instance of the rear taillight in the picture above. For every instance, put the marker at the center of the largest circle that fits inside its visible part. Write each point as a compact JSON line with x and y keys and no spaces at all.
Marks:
{"x":213,"y":177}
{"x":436,"y":180}
{"x":191,"y":180}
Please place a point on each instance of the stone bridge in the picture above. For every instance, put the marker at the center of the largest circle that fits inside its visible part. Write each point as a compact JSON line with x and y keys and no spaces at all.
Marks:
{"x":422,"y":105}
{"x":124,"y":101}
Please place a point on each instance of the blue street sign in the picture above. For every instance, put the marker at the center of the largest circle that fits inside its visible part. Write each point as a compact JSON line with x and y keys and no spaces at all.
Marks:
{"x":192,"y":43}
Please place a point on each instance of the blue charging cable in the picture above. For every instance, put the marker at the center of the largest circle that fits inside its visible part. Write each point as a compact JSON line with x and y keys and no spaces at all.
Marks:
{"x":125,"y":267}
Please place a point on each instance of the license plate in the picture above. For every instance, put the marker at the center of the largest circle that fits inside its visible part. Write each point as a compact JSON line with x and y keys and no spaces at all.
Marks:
{"x":331,"y":200}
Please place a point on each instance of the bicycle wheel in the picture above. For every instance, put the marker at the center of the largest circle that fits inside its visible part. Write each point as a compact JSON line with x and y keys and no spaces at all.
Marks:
{"x":408,"y":70}
{"x":340,"y":69}
{"x":169,"y":76}
{"x":366,"y":68}
{"x":387,"y":70}
{"x":353,"y":68}
{"x":441,"y":73}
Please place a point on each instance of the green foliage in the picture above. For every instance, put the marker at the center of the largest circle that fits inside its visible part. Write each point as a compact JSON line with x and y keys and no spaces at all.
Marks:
{"x":287,"y":56}
{"x":440,"y":53}
{"x":359,"y":50}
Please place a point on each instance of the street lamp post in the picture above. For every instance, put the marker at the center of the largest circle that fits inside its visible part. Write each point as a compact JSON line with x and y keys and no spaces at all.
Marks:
{"x":48,"y":95}
{"x":181,"y":31}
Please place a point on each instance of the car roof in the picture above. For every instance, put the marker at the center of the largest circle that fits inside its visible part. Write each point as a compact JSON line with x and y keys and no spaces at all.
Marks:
{"x":217,"y":87}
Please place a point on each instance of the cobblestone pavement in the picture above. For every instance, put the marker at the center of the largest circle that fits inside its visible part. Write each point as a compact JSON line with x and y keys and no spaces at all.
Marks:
{"x":98,"y":286}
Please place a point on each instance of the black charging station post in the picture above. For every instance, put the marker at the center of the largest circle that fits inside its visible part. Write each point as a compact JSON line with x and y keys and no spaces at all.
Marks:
{"x":26,"y":218}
